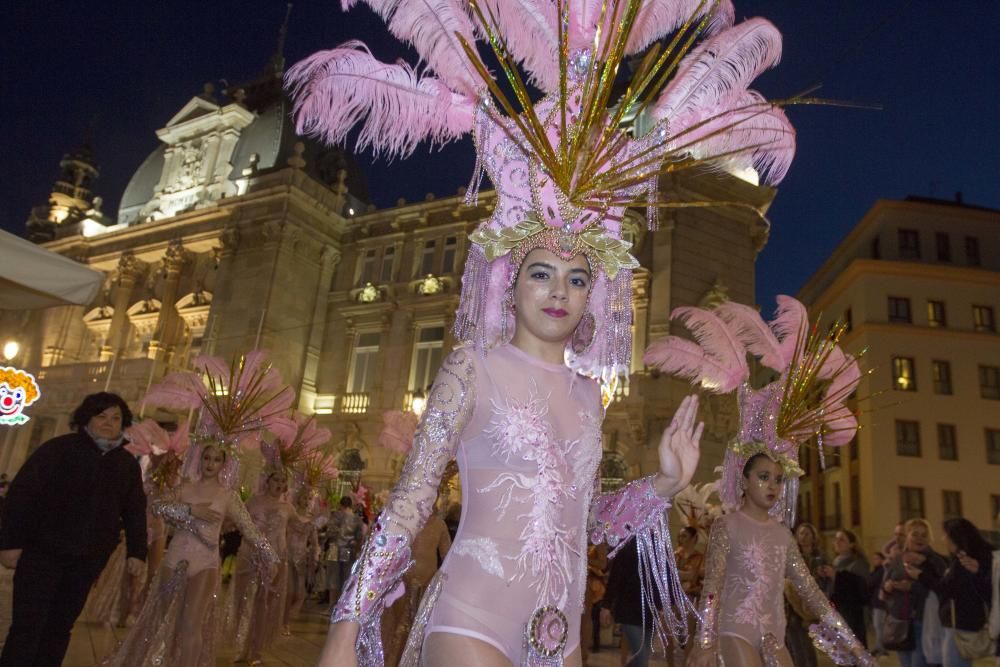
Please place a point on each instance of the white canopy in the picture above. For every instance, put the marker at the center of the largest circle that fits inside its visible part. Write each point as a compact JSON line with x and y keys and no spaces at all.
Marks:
{"x":33,"y":277}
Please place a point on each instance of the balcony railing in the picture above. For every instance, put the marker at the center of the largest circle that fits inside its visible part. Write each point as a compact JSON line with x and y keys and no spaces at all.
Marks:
{"x":355,"y":404}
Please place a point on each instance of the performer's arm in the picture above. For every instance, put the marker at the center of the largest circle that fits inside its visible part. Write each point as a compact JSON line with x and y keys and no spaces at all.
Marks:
{"x":264,"y":558}
{"x":707,"y":640}
{"x":831,"y":634}
{"x":376,"y":580}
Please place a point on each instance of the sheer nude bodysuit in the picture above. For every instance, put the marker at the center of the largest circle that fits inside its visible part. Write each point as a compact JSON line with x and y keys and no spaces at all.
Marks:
{"x":176,"y":624}
{"x":742,"y":599}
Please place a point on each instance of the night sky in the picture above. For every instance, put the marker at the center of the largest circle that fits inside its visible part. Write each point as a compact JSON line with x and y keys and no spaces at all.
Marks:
{"x":124,"y":68}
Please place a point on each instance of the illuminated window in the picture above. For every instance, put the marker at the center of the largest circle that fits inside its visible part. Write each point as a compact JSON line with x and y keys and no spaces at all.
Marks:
{"x":951,"y":505}
{"x":909,"y":244}
{"x":941,"y":370}
{"x":993,"y":445}
{"x":427,"y":258}
{"x":904,"y":374}
{"x":989,"y":382}
{"x":388,"y":255}
{"x":943,"y":246}
{"x":935,"y":314}
{"x":362,"y":373}
{"x":366,"y":273}
{"x":982,"y":319}
{"x":450,"y":253}
{"x":911,"y":503}
{"x":907,"y":438}
{"x":899,"y":310}
{"x":947,"y":442}
{"x":972,"y":251}
{"x":428,"y":353}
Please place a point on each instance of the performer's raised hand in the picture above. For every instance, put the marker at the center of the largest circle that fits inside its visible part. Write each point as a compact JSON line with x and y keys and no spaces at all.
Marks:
{"x":679,"y":449}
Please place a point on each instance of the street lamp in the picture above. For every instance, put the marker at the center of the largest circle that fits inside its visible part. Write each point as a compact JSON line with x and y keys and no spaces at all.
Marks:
{"x":10,"y":349}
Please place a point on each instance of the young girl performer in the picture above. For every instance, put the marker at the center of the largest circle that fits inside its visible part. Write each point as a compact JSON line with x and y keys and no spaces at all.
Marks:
{"x":177,"y":624}
{"x":751,"y":550}
{"x":546,"y":298}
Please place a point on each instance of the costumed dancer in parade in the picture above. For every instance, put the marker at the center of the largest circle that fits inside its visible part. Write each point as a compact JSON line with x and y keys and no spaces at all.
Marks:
{"x":751,"y":550}
{"x":116,"y":597}
{"x":545,"y":312}
{"x":303,"y":539}
{"x":258,"y":605}
{"x":177,"y":623}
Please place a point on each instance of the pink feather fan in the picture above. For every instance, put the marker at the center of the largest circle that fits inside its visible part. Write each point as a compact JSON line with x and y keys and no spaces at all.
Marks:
{"x":398,"y":430}
{"x":717,"y":361}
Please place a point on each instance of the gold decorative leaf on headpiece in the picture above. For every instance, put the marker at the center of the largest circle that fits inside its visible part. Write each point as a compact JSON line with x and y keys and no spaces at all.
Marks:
{"x":611,"y":253}
{"x":748,"y":450}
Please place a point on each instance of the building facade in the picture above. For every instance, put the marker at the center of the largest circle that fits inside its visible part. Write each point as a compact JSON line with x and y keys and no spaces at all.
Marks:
{"x":918,"y":284}
{"x":235,"y":233}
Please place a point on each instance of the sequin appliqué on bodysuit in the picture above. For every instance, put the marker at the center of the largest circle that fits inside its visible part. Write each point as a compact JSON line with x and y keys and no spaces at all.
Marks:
{"x":520,"y":429}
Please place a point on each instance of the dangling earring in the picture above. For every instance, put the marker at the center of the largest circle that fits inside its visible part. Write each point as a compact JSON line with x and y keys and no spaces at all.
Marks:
{"x":742,"y":486}
{"x":584,"y":334}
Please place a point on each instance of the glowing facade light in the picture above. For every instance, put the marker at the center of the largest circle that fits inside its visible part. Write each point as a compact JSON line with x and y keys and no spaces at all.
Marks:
{"x":10,"y":349}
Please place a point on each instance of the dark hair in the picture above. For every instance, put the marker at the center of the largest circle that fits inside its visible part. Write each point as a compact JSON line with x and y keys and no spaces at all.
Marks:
{"x":748,"y":466}
{"x":966,"y":537}
{"x":95,"y":404}
{"x":217,"y":447}
{"x":345,"y":501}
{"x":690,"y":531}
{"x":853,"y":539}
{"x":879,"y":554}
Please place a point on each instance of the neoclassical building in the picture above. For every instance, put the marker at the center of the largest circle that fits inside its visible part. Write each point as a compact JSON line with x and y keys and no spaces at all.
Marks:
{"x":917,"y":282}
{"x":235,"y":233}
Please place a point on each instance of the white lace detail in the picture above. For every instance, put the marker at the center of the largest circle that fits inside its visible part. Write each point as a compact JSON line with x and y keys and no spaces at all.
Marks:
{"x":484,"y":551}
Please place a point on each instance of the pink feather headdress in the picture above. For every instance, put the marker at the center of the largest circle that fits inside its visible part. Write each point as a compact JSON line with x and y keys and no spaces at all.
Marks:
{"x":807,"y":402}
{"x":564,"y":169}
{"x":237,"y":402}
{"x":295,"y":438}
{"x":161,"y":451}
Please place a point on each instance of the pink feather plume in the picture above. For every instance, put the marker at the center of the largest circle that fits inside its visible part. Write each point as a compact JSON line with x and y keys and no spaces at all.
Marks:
{"x":337,"y":89}
{"x":532,"y":34}
{"x":658,"y":18}
{"x":714,"y":337}
{"x":685,"y":359}
{"x":147,"y":438}
{"x":177,"y":391}
{"x":790,"y":325}
{"x":431,"y":27}
{"x":750,"y":329}
{"x":719,"y":67}
{"x":398,"y":430}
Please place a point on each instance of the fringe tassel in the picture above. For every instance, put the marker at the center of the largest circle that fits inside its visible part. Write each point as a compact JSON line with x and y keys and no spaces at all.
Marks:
{"x":660,"y":582}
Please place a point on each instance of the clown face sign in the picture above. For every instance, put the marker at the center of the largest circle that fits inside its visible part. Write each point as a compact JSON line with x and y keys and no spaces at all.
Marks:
{"x":18,"y":390}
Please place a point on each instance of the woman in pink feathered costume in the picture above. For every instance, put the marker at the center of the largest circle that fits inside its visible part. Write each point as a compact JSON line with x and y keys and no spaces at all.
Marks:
{"x":177,"y":624}
{"x":751,"y":552}
{"x":545,"y":313}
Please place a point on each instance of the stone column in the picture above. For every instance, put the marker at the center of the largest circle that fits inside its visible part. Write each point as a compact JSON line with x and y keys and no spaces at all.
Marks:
{"x":130,"y":270}
{"x":165,"y":334}
{"x":329,"y":258}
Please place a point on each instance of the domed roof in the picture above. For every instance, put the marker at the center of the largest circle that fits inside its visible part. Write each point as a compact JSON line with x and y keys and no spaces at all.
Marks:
{"x":271,"y":135}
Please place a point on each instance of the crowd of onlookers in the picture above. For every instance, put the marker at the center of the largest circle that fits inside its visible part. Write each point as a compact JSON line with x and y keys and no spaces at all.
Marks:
{"x":928,"y":607}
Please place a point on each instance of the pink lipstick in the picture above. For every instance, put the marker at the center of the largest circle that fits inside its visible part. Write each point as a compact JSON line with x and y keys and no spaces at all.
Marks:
{"x":555,"y":312}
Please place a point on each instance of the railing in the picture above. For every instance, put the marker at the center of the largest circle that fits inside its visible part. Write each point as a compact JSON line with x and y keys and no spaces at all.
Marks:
{"x":354,"y":404}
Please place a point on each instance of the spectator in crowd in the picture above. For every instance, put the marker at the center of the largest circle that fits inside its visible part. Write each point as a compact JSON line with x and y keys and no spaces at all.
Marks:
{"x":344,"y":535}
{"x":875,"y":578}
{"x":898,"y":538}
{"x":593,"y":594}
{"x":798,"y":619}
{"x":61,"y":523}
{"x":623,"y":601}
{"x":905,"y":596}
{"x":847,"y":579}
{"x":964,"y":591}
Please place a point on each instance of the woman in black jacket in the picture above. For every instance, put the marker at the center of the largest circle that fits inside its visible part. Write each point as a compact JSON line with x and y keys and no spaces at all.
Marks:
{"x":964,"y":590}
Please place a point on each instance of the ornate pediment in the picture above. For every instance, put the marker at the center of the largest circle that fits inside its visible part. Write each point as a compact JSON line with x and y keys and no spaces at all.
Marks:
{"x":195,"y":108}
